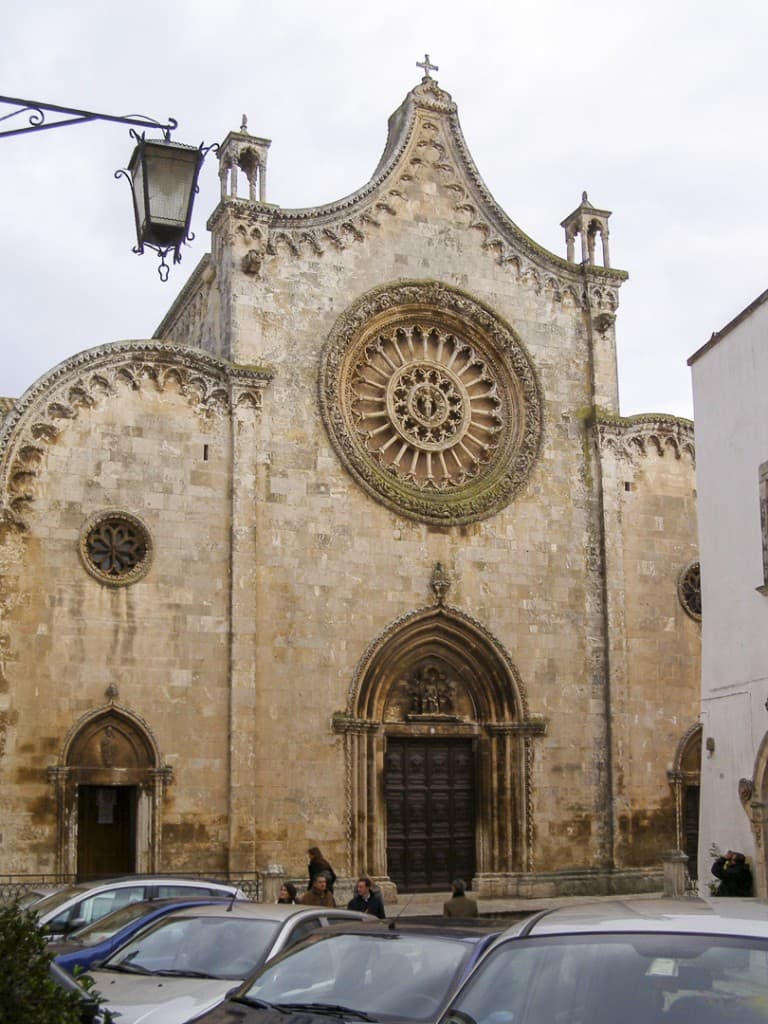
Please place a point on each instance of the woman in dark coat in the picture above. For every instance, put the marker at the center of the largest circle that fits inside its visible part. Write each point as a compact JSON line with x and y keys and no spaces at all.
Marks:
{"x":318,"y":865}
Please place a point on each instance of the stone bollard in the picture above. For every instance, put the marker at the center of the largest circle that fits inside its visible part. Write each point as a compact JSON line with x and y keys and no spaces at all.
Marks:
{"x":274,"y":876}
{"x":675,"y":875}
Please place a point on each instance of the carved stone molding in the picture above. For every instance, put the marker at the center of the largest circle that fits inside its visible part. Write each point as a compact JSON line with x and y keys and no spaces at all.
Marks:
{"x":425,"y":137}
{"x":534,"y":726}
{"x":211,"y":386}
{"x":506,"y":700}
{"x":344,"y":724}
{"x":431,"y":402}
{"x":635,"y":437}
{"x":440,"y":583}
{"x":746,"y":790}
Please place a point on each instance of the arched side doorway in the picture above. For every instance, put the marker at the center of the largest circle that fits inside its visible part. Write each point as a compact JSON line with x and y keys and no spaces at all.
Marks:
{"x":109,"y":786}
{"x":685,"y":780}
{"x":439,"y":754}
{"x":753,"y":794}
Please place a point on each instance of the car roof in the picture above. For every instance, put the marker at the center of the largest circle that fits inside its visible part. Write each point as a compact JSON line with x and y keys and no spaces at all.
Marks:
{"x":98,"y":883}
{"x":372,"y":925}
{"x":688,"y":915}
{"x":270,"y":911}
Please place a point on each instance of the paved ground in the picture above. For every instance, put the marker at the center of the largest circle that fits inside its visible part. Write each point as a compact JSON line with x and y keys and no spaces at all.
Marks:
{"x":431,"y":904}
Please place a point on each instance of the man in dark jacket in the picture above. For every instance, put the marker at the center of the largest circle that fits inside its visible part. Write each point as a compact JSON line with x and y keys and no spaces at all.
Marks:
{"x":734,"y":874}
{"x":367,"y":898}
{"x":459,"y":905}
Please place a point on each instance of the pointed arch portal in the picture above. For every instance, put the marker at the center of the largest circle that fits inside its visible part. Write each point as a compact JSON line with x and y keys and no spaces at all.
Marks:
{"x":685,"y":779}
{"x":439,"y":756}
{"x":109,"y":784}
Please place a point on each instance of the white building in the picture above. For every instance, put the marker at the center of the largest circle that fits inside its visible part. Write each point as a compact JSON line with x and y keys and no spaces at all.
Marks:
{"x":730,"y":386}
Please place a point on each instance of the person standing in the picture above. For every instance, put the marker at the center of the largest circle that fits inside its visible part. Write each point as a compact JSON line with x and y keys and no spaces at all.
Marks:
{"x":319,"y":895}
{"x":366,"y":898}
{"x":459,"y":905}
{"x":734,"y":874}
{"x":319,"y":865}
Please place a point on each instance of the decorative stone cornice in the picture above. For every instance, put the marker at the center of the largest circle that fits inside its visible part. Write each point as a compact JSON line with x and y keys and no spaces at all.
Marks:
{"x":534,"y":726}
{"x":636,"y":437}
{"x":344,"y":724}
{"x":211,"y":386}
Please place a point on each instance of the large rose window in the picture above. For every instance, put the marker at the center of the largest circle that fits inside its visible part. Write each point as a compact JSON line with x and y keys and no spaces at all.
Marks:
{"x":426,"y":407}
{"x":431,"y":402}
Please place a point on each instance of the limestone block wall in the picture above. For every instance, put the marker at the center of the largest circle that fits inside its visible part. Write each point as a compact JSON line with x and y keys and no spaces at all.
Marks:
{"x":161,"y":644}
{"x":650,"y":500}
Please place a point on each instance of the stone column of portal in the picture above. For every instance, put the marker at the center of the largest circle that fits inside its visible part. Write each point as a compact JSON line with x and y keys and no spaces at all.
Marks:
{"x":243,"y":725}
{"x":675,"y":864}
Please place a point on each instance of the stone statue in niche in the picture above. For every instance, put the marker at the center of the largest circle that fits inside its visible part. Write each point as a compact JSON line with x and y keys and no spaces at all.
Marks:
{"x":108,"y":747}
{"x":430,"y":692}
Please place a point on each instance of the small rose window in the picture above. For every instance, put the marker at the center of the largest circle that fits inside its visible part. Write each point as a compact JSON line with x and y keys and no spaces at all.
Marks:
{"x":689,"y":590}
{"x":116,"y":548}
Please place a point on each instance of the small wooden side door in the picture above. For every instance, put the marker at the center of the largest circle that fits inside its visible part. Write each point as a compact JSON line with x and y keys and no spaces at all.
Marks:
{"x":106,"y":831}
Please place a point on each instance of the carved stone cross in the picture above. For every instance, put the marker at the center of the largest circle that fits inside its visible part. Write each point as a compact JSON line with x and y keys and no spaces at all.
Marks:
{"x":427,"y":66}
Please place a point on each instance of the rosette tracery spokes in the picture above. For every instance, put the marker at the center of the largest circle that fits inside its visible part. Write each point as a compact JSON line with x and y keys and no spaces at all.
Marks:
{"x":426,"y":406}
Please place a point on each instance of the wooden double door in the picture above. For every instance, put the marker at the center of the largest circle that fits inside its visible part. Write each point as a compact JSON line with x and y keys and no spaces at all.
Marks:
{"x":106,"y":831}
{"x":429,"y":789}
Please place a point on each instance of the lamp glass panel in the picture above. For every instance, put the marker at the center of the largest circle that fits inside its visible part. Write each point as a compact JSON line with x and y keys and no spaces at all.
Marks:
{"x":171,"y":175}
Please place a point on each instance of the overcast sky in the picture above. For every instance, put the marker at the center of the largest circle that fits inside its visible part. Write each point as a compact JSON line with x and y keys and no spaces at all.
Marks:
{"x":657,"y":109}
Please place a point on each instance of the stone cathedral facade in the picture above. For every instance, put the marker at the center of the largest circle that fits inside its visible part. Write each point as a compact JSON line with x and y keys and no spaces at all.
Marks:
{"x":356,"y":552}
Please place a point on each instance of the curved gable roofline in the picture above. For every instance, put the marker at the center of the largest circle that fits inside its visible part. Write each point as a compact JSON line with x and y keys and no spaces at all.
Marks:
{"x":425,"y":103}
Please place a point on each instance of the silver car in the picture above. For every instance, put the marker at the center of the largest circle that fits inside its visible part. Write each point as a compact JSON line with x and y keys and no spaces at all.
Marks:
{"x":626,"y":962}
{"x":186,"y":963}
{"x":75,"y":906}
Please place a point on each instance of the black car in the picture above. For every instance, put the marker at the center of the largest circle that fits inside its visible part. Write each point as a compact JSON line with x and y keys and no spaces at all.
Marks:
{"x":374,"y":971}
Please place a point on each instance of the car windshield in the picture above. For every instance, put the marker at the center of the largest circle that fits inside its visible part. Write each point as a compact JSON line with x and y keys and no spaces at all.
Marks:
{"x":215,"y":947}
{"x":33,"y":897}
{"x":107,"y":926}
{"x":388,"y":975}
{"x":618,"y":979}
{"x":55,"y":899}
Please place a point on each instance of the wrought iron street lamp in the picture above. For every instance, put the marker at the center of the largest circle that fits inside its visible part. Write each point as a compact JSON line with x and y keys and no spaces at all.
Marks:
{"x":162,"y":174}
{"x":163,"y":178}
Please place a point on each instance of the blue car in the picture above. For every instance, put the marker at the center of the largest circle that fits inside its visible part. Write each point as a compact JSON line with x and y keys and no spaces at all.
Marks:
{"x":99,"y":940}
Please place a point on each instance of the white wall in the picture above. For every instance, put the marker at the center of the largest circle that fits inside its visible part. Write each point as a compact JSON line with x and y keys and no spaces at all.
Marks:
{"x":730,"y":385}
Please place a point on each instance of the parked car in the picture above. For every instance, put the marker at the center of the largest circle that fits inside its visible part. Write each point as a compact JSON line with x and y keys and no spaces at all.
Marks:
{"x":89,"y":1006}
{"x":99,"y":940}
{"x":75,"y":906}
{"x":36,"y":893}
{"x":629,"y":962}
{"x":380,"y":971}
{"x":186,"y":962}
